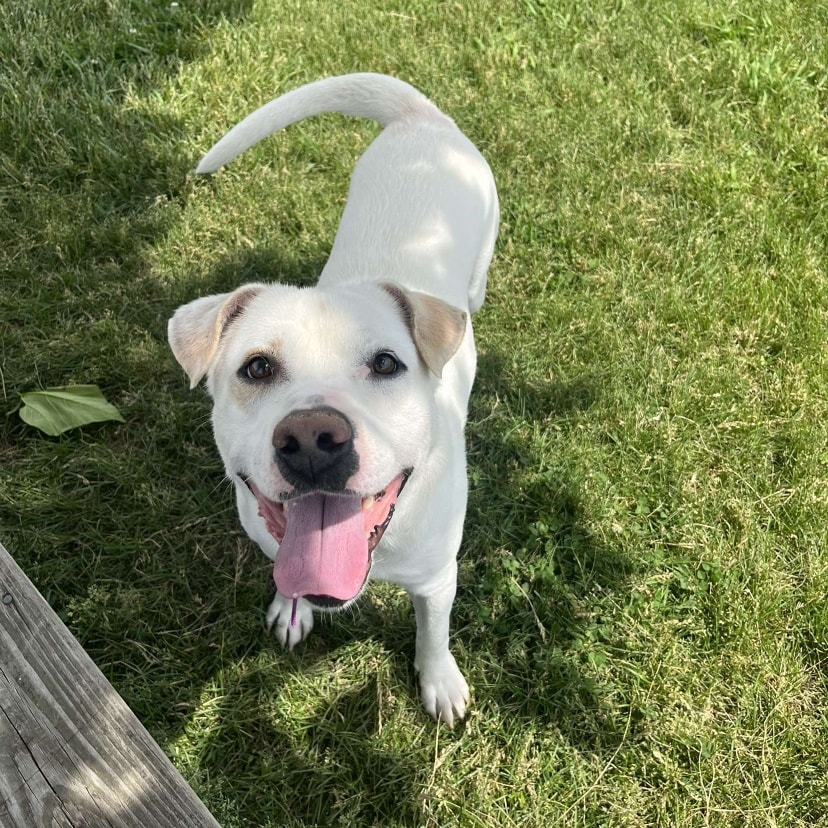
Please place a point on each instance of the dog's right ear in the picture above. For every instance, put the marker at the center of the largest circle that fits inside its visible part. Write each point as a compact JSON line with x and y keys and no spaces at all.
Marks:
{"x":196,"y":328}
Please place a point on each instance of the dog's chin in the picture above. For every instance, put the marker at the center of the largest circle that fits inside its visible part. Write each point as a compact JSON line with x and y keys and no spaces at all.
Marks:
{"x":326,"y":539}
{"x":327,"y":604}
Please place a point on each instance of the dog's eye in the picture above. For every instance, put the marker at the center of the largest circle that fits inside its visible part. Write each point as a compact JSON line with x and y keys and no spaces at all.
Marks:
{"x":385,"y":364}
{"x":258,"y":368}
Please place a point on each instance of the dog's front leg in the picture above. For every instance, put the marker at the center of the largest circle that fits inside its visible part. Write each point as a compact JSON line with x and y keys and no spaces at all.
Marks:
{"x":443,"y":689}
{"x":293,"y":622}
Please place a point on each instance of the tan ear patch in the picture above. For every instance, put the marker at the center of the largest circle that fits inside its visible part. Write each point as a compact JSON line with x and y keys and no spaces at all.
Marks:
{"x":196,"y":328}
{"x":436,"y":327}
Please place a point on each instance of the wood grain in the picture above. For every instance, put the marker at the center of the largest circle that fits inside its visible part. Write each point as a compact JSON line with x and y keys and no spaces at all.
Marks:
{"x":71,"y":752}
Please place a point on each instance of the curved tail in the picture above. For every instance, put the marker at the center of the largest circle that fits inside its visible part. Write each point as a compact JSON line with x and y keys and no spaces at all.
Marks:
{"x":364,"y":95}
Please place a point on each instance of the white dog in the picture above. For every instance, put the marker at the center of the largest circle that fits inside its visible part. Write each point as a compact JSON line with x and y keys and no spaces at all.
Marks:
{"x":339,"y":406}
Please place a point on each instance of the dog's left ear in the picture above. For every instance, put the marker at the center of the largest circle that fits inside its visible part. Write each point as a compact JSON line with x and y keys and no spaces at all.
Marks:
{"x":196,"y":328}
{"x":436,"y":327}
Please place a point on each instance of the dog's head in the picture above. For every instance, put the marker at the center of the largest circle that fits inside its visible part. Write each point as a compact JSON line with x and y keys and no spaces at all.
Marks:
{"x":323,"y":407}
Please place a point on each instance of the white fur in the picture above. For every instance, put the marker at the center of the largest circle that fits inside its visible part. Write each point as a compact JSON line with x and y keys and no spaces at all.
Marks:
{"x":422,"y":213}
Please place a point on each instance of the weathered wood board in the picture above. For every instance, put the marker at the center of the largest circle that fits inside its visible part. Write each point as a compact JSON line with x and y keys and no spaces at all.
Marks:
{"x":71,"y":752}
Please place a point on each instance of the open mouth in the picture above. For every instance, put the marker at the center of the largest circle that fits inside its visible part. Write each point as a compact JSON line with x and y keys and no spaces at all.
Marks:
{"x":326,"y":540}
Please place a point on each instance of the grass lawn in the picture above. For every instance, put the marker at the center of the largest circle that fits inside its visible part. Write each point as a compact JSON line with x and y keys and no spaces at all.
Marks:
{"x":642,"y":612}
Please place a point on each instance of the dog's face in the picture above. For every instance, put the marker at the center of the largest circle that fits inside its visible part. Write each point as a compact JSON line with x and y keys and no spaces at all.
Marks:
{"x":323,"y":402}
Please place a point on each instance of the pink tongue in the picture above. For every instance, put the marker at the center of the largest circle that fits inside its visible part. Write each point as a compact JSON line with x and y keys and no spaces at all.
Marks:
{"x":324,"y":550}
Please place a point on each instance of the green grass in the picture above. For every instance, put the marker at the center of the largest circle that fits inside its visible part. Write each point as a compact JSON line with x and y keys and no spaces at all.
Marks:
{"x":642,"y":612}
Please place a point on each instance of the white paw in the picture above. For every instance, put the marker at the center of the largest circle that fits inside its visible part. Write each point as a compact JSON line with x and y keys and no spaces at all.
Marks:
{"x":291,"y":627}
{"x":443,"y":689}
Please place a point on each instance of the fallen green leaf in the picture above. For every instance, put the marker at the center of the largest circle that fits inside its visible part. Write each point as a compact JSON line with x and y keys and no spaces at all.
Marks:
{"x":55,"y":410}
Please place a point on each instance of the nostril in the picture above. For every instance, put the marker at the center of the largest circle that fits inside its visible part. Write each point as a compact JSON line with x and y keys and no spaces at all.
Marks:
{"x":289,"y":445}
{"x":328,"y":443}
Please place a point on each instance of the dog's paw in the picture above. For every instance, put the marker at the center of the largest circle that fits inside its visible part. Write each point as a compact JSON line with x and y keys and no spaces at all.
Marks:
{"x":291,"y":626}
{"x":443,"y":690}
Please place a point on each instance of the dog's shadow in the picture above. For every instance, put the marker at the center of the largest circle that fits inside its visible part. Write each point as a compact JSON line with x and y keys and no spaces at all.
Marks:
{"x":530,"y":568}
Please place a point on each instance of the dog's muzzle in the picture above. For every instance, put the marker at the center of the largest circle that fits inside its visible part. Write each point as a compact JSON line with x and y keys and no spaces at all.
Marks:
{"x":314,"y":449}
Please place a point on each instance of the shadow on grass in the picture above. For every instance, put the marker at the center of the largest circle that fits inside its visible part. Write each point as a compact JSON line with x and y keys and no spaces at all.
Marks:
{"x":532,"y":575}
{"x":91,"y":185}
{"x":259,"y":265}
{"x":129,"y":531}
{"x":91,"y":180}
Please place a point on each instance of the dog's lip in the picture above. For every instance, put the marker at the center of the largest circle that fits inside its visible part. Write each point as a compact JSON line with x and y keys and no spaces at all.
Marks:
{"x":284,"y":498}
{"x":278,"y":522}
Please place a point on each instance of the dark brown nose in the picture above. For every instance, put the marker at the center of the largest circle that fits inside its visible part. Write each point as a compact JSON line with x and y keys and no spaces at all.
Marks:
{"x":314,"y":449}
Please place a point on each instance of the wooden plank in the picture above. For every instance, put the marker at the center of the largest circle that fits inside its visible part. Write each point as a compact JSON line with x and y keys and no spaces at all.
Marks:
{"x":71,"y":752}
